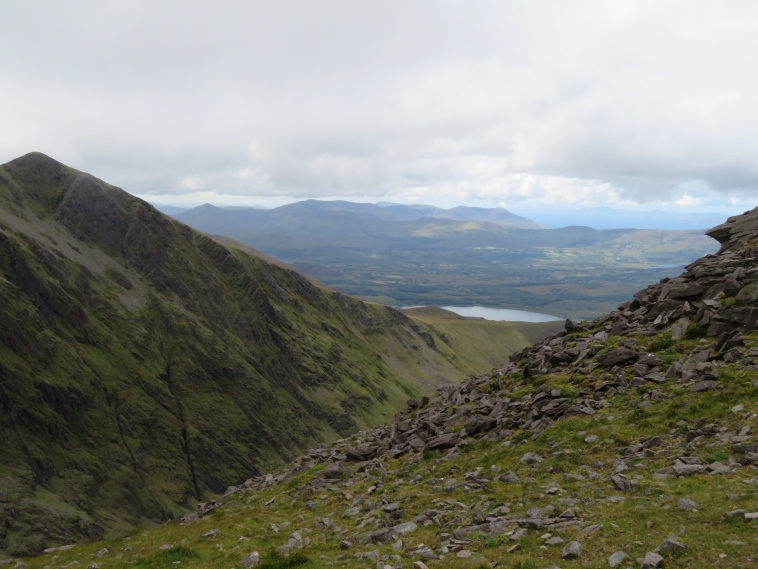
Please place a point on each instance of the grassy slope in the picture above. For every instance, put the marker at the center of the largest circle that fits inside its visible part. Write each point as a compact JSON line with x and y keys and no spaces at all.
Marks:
{"x":634,"y":522}
{"x":485,"y":341}
{"x":144,"y":365}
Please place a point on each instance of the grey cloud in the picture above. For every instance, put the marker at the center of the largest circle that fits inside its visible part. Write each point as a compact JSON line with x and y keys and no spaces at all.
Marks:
{"x":306,"y":98}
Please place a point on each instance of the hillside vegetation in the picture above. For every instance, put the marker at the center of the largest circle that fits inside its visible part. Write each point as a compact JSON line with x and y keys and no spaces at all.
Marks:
{"x":145,"y":366}
{"x":627,"y":441}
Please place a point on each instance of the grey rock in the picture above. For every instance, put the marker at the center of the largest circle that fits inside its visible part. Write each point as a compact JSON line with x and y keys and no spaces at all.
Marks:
{"x":509,"y":478}
{"x":531,"y":458}
{"x":251,"y":560}
{"x":688,"y":469}
{"x":365,"y":451}
{"x":479,"y":425}
{"x":211,"y":533}
{"x":518,"y":534}
{"x":404,"y":528}
{"x":391,"y":507}
{"x":446,"y":440}
{"x":652,"y":561}
{"x":718,"y":468}
{"x":622,"y":483}
{"x":671,"y":543}
{"x":686,"y":505}
{"x":617,"y":559}
{"x":590,"y":529}
{"x":617,"y":356}
{"x":60,"y":548}
{"x":656,"y":377}
{"x":337,"y":470}
{"x":425,"y":553}
{"x":573,"y":550}
{"x":704,"y":385}
{"x":382,"y":535}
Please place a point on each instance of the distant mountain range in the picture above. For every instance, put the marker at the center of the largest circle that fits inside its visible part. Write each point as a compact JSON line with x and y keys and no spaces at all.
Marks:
{"x":386,"y":211}
{"x":599,"y":218}
{"x":420,"y":255}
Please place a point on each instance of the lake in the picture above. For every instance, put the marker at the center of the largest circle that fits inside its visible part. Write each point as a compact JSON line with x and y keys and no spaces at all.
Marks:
{"x":505,"y":314}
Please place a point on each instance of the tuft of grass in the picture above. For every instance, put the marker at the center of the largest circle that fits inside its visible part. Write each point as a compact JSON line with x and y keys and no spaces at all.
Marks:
{"x":695,"y":332}
{"x":661,"y":342}
{"x":275,"y":560}
{"x":166,"y":558}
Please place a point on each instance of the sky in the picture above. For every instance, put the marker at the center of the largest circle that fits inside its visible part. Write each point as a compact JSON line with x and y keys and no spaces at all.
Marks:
{"x":519,"y":104}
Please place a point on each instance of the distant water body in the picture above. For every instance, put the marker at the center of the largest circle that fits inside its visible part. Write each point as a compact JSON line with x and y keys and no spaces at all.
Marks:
{"x":505,"y":314}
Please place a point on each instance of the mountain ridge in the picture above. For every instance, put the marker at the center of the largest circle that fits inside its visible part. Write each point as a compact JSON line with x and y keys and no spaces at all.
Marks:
{"x":143,"y":364}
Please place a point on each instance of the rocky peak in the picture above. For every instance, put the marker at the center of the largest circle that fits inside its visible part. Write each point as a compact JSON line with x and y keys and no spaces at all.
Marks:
{"x":737,"y":231}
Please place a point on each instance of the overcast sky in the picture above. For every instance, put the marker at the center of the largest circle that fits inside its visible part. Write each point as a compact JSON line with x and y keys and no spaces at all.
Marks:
{"x":516,"y":103}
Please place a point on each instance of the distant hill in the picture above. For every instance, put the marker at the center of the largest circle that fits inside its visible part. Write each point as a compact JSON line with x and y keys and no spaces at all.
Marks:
{"x":144,"y":365}
{"x":409,"y":255}
{"x":463,"y":213}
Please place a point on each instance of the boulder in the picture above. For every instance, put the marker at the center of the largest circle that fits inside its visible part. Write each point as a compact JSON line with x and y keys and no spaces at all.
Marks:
{"x":652,"y":561}
{"x":573,"y":550}
{"x":617,"y":357}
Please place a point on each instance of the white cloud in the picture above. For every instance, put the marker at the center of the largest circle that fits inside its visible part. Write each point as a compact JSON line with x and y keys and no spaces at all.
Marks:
{"x":688,"y":200}
{"x":582,"y":102}
{"x":192,"y":183}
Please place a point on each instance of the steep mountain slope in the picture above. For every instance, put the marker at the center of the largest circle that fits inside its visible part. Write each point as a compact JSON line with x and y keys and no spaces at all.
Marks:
{"x":144,"y":365}
{"x":628,"y":441}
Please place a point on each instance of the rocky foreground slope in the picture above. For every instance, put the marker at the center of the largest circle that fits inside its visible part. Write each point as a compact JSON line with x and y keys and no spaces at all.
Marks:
{"x":628,"y":441}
